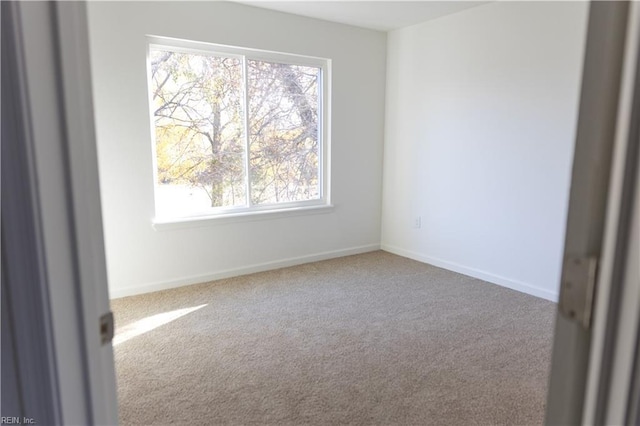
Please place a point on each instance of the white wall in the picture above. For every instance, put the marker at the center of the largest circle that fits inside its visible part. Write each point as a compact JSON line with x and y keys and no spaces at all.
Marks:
{"x":140,"y":258}
{"x":480,"y":123}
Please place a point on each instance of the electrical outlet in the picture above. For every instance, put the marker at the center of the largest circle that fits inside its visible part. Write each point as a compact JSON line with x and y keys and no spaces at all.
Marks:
{"x":417,"y":222}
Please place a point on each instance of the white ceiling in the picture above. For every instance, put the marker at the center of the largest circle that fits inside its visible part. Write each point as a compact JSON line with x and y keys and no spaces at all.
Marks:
{"x":376,"y":15}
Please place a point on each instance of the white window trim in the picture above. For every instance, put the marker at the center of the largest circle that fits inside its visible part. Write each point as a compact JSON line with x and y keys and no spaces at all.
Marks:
{"x":249,"y":212}
{"x":236,"y":217}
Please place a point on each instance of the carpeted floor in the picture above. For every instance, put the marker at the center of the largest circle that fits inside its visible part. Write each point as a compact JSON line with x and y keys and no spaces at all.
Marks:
{"x":367,"y":339}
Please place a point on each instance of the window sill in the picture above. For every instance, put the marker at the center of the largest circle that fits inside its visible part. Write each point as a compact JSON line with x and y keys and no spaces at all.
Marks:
{"x":200,"y":221}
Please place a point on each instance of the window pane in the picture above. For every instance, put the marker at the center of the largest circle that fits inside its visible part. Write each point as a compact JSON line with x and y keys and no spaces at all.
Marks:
{"x":199,"y":127}
{"x":283,"y":130}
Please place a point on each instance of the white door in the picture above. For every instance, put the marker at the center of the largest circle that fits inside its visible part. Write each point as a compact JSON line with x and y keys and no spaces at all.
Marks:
{"x":597,"y":325}
{"x":54,"y":285}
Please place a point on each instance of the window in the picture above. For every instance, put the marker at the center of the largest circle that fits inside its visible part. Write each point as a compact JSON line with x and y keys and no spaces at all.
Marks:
{"x":236,"y":130}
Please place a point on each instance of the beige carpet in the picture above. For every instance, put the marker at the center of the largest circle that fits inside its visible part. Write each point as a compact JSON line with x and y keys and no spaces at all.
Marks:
{"x":367,"y":339}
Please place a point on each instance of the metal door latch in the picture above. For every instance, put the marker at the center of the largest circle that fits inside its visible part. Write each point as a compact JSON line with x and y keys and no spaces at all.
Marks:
{"x":106,"y":328}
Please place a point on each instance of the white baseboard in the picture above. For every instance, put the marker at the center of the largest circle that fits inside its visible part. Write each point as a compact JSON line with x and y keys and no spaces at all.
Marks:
{"x":475,"y":273}
{"x":250,"y":269}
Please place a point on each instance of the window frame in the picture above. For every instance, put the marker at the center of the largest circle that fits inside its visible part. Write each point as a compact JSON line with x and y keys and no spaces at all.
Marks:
{"x":248,"y":211}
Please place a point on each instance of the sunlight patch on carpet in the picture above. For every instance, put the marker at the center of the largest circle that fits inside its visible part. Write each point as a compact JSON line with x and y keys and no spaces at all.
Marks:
{"x":149,"y":323}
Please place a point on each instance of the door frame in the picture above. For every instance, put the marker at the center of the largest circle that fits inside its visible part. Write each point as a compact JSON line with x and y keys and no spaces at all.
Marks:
{"x":585,"y":385}
{"x":617,"y":309}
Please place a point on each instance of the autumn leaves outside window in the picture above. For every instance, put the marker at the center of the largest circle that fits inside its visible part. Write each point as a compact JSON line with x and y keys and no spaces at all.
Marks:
{"x":233,"y":132}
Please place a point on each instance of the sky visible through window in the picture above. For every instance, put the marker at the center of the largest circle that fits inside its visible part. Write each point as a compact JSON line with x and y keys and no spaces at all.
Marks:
{"x":218,"y":149}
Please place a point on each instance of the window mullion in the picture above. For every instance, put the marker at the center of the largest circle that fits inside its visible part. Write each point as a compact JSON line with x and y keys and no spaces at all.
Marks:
{"x":247,"y":168}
